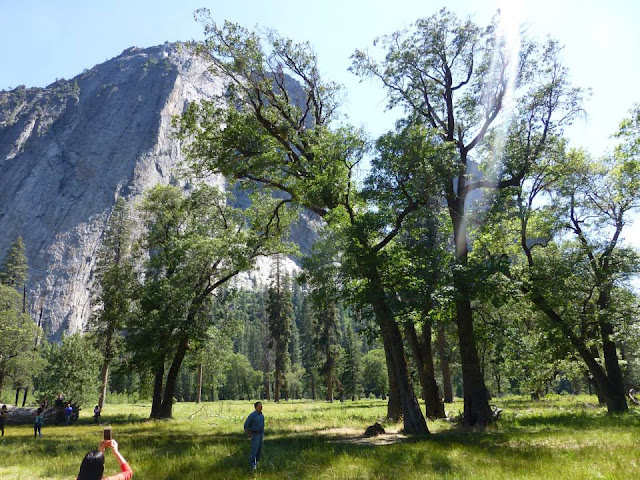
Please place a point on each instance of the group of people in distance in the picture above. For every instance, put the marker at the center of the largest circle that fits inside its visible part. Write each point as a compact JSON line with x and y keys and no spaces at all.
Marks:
{"x":92,"y":467}
{"x":37,"y":423}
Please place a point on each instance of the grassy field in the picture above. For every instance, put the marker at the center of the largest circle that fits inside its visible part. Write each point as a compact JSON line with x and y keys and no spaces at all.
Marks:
{"x":559,"y":437}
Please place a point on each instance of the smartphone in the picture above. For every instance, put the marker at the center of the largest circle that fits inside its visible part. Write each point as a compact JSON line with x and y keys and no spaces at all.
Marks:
{"x":107,"y":433}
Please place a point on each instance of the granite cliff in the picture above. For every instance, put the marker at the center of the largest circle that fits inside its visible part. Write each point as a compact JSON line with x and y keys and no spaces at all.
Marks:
{"x":69,"y":150}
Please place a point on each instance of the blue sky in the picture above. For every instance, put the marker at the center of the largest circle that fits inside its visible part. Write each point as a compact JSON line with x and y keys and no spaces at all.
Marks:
{"x":48,"y":39}
{"x":44,"y":40}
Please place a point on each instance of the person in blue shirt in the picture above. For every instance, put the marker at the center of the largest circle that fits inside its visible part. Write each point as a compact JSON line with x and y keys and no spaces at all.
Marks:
{"x":254,"y":427}
{"x":68,"y":411}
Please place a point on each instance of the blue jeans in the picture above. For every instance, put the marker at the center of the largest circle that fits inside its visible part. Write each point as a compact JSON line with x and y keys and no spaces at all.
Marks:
{"x":257,"y":439}
{"x":37,"y":430}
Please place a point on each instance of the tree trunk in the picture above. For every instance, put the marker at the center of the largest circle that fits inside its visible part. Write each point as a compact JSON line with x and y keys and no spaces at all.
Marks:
{"x":416,"y":349}
{"x":276,"y":386}
{"x":435,"y":406}
{"x":313,"y":385}
{"x":476,"y":399}
{"x":104,"y":379}
{"x":616,"y":396}
{"x":24,"y":399}
{"x":156,"y":403}
{"x":413,"y":419}
{"x":444,"y":366}
{"x":328,"y":367}
{"x":166,"y":410}
{"x":422,"y":354}
{"x":604,"y":386}
{"x":593,"y":350}
{"x":1,"y":380}
{"x":199,"y":391}
{"x":267,"y":385}
{"x":17,"y":395}
{"x":496,"y":375}
{"x":394,"y":407}
{"x":598,"y":391}
{"x":398,"y":371}
{"x":266,"y":366}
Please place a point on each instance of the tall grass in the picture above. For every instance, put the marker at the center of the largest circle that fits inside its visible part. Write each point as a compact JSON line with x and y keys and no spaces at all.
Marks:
{"x":556,"y":438}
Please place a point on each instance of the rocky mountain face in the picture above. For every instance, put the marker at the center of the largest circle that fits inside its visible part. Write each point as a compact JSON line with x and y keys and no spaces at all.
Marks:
{"x":69,"y":150}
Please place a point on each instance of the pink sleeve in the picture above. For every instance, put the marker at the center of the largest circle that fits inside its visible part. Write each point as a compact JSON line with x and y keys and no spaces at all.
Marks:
{"x":126,"y":474}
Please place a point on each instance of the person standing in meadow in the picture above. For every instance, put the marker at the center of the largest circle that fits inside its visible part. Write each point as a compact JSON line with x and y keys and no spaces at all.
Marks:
{"x":254,"y":427}
{"x":37,"y":423}
{"x":3,"y":418}
{"x":68,"y":411}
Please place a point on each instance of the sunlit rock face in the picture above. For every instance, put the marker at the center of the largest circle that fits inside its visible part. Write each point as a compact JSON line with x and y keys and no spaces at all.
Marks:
{"x":68,"y":151}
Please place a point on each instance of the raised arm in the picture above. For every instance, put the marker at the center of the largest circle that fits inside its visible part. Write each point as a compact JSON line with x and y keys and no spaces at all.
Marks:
{"x":127,"y":473}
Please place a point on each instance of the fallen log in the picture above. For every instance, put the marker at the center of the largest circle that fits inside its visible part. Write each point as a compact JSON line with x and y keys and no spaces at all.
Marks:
{"x":27,"y":415}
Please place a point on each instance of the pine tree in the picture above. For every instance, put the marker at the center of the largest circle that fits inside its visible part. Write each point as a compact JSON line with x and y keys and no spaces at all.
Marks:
{"x":327,"y":339}
{"x":114,"y":284}
{"x":256,"y":331}
{"x":14,"y":270}
{"x":294,"y":344}
{"x":280,"y":319}
{"x":18,"y":358}
{"x":266,"y":359}
{"x":322,"y":275}
{"x":352,"y":376}
{"x":308,"y":350}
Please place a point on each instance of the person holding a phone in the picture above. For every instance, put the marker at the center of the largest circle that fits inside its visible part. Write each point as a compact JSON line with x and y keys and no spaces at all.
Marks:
{"x":92,"y":466}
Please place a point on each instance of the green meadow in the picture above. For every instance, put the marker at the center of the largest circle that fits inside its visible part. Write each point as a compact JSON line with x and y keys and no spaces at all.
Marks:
{"x":559,"y":437}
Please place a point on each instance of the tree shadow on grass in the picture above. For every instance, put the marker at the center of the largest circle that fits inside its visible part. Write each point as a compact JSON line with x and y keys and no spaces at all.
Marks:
{"x":121,"y":419}
{"x":161,"y":453}
{"x":359,"y":406}
{"x":176,"y":456}
{"x":308,"y":456}
{"x":576,"y":420}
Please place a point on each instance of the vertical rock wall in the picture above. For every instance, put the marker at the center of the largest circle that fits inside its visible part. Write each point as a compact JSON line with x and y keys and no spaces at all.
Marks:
{"x":68,"y":151}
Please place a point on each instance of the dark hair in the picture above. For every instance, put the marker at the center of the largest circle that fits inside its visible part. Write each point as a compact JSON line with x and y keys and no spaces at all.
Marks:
{"x":92,"y":466}
{"x":255,"y":405}
{"x":40,"y":410}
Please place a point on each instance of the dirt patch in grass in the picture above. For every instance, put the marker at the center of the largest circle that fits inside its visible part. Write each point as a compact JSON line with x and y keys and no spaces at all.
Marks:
{"x":356,"y":436}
